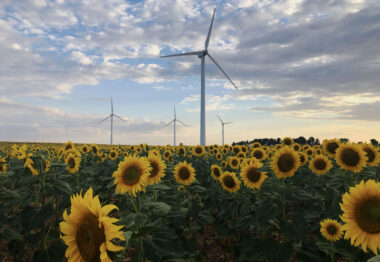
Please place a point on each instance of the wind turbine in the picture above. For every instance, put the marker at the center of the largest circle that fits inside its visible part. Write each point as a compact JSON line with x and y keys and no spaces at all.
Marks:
{"x":175,"y":121}
{"x":223,"y":123}
{"x":202,"y":55}
{"x":111,"y":116}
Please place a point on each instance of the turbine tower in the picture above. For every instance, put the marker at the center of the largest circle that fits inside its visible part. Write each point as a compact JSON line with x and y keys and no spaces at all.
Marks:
{"x":223,"y":123}
{"x":111,"y":116}
{"x":202,"y":55}
{"x":175,"y":121}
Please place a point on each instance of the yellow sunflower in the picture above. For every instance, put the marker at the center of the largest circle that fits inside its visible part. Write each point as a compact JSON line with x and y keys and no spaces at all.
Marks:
{"x":320,"y":165}
{"x":3,"y":168}
{"x":296,"y":147}
{"x":259,"y":154}
{"x":216,"y":171}
{"x":303,"y":158}
{"x":225,"y":150}
{"x":46,"y":164}
{"x":72,"y":163}
{"x":285,"y":162}
{"x":309,"y":152}
{"x":30,"y":164}
{"x":167,"y":154}
{"x":373,"y":156}
{"x":198,"y":150}
{"x":224,"y":164}
{"x":131,"y":175}
{"x":351,"y":157}
{"x":234,"y":162}
{"x":85,"y":149}
{"x":158,"y":168}
{"x":181,"y":151}
{"x":361,"y":215}
{"x":330,"y":146}
{"x":230,"y":182}
{"x":252,"y":178}
{"x":68,"y":145}
{"x":331,"y":229}
{"x":219,"y":156}
{"x":88,"y":230}
{"x":287,"y":141}
{"x":256,"y":144}
{"x":95,"y":149}
{"x":113,"y":155}
{"x":184,"y":173}
{"x":236,"y":149}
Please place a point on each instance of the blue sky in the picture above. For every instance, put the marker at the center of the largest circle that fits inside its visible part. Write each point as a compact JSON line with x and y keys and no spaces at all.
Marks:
{"x":303,"y":67}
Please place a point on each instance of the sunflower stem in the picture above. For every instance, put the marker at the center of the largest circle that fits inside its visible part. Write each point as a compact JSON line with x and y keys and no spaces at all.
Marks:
{"x":332,"y":252}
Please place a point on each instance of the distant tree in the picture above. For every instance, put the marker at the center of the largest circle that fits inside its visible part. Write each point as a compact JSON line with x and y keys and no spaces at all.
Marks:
{"x":311,"y":140}
{"x":374,"y":142}
{"x":344,"y":140}
{"x":316,"y":142}
{"x":301,"y":140}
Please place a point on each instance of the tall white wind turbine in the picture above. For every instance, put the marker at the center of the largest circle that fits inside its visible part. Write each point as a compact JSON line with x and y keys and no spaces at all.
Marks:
{"x":223,"y":123}
{"x":175,"y":121}
{"x":202,"y":55}
{"x":111,"y":116}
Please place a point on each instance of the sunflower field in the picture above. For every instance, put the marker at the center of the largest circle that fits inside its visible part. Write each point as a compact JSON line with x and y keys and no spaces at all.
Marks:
{"x":286,"y":202}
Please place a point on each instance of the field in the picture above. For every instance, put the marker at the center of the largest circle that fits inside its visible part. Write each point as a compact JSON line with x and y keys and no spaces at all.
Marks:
{"x":189,"y":203}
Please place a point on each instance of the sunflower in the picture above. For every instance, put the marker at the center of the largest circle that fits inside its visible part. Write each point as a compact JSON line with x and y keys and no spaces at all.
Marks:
{"x":305,"y":147}
{"x":259,"y":154}
{"x":256,"y":144}
{"x":219,"y":156}
{"x":277,"y":147}
{"x":373,"y":156}
{"x":30,"y":164}
{"x":113,"y":155}
{"x":296,"y":147}
{"x":351,"y":157}
{"x":285,"y":162}
{"x":243,"y":149}
{"x":184,"y":173}
{"x":361,"y":215}
{"x":181,"y":151}
{"x":251,"y":177}
{"x":157,"y":172}
{"x":225,"y":150}
{"x":230,"y":182}
{"x":46,"y":165}
{"x":88,"y":230}
{"x":320,"y":165}
{"x":309,"y":152}
{"x":287,"y":141}
{"x":216,"y":171}
{"x":68,"y":145}
{"x":236,"y":149}
{"x":224,"y":164}
{"x":331,"y":229}
{"x":131,"y":175}
{"x":72,"y":163}
{"x":3,"y":168}
{"x":234,"y":162}
{"x":85,"y":149}
{"x":198,"y":150}
{"x":167,"y":154}
{"x":318,"y":151}
{"x":303,"y":158}
{"x":95,"y":149}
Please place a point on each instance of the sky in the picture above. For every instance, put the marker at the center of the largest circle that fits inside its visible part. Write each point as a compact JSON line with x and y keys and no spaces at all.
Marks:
{"x":302,"y":67}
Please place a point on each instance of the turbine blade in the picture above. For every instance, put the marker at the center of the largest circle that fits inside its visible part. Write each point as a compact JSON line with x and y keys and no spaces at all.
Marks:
{"x":104,"y":119}
{"x":228,"y":123}
{"x":183,"y":54}
{"x":175,"y":116}
{"x":220,"y":119}
{"x":209,"y":30}
{"x":169,"y":123}
{"x":221,"y":69}
{"x":111,"y":105}
{"x":120,"y":118}
{"x":182,"y":123}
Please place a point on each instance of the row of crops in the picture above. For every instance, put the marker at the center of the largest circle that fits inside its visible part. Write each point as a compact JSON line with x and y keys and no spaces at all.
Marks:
{"x":287,"y":202}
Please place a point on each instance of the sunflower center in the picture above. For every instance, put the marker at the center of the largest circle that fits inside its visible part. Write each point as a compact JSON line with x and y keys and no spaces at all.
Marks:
{"x":331,"y":230}
{"x":229,"y":182}
{"x":131,"y":175}
{"x":113,"y":154}
{"x":331,"y":147}
{"x":287,"y":142}
{"x":350,"y":157}
{"x":198,"y":150}
{"x":309,"y":152}
{"x":234,"y":162}
{"x":84,"y":149}
{"x":181,"y":151}
{"x":71,"y":163}
{"x":89,"y":237}
{"x":68,"y":147}
{"x":253,"y":175}
{"x":216,"y":172}
{"x":285,"y":163}
{"x":94,"y":150}
{"x":302,"y":158}
{"x":184,"y":173}
{"x":296,"y":147}
{"x":258,"y":154}
{"x":320,"y":164}
{"x":370,"y":155}
{"x":367,"y":215}
{"x":154,"y":170}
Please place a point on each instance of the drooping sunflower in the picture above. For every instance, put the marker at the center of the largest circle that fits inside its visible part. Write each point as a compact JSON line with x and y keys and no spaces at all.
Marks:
{"x":373,"y":155}
{"x":113,"y":155}
{"x":351,"y":157}
{"x":259,"y":154}
{"x":330,"y":146}
{"x":198,"y":150}
{"x":184,"y":173}
{"x":287,"y":141}
{"x":303,"y":158}
{"x":72,"y":163}
{"x":320,"y":164}
{"x":158,"y":169}
{"x":224,"y":163}
{"x":256,"y":144}
{"x":181,"y":151}
{"x":216,"y":172}
{"x":46,"y":165}
{"x":252,"y":178}
{"x":30,"y":164}
{"x":95,"y":150}
{"x":331,"y":229}
{"x":285,"y":162}
{"x":234,"y":162}
{"x":88,"y":230}
{"x":230,"y":182}
{"x":131,"y":175}
{"x":361,"y":215}
{"x":3,"y":168}
{"x":68,"y":145}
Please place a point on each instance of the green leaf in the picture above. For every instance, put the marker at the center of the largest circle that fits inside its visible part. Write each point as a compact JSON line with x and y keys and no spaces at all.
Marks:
{"x":157,"y":208}
{"x":374,"y":259}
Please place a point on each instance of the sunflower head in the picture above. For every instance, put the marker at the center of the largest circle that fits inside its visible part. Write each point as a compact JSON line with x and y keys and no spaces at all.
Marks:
{"x":88,"y":230}
{"x":241,"y":155}
{"x":287,"y":141}
{"x":259,"y":153}
{"x":230,"y":182}
{"x":331,"y":229}
{"x":68,"y":145}
{"x":351,"y":157}
{"x":224,"y":164}
{"x":30,"y":164}
{"x":72,"y":163}
{"x":95,"y":149}
{"x":309,"y":152}
{"x":296,"y":147}
{"x":199,"y":150}
{"x":184,"y":173}
{"x":320,"y":165}
{"x":131,"y":175}
{"x":236,"y":149}
{"x":3,"y":168}
{"x":372,"y":154}
{"x":113,"y":154}
{"x":167,"y":154}
{"x":181,"y":151}
{"x":252,"y":178}
{"x":85,"y":149}
{"x":330,"y":146}
{"x":256,"y":144}
{"x":216,"y":172}
{"x":234,"y":162}
{"x":303,"y":158}
{"x":219,"y":156}
{"x":285,"y":162}
{"x":157,"y":171}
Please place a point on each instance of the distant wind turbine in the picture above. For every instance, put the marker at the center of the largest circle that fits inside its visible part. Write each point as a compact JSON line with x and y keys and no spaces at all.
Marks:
{"x":175,"y":121}
{"x":223,"y":123}
{"x":111,"y":116}
{"x":202,"y":54}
